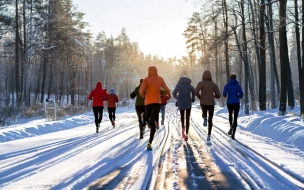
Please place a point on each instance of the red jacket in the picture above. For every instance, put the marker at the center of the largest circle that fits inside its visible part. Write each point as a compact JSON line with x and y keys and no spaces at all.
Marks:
{"x":164,"y":99}
{"x":98,"y":95}
{"x":112,"y":100}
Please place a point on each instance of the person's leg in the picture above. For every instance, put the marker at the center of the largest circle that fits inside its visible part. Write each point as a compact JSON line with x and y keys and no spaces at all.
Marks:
{"x":141,"y":121}
{"x":210,"y":117}
{"x":114,"y":111}
{"x":236,"y":114}
{"x":154,"y":112}
{"x":163,"y":111}
{"x":204,"y":111}
{"x":188,"y":112}
{"x":230,"y":110}
{"x":95,"y":111}
{"x":100,"y":110}
{"x":182,"y":118}
{"x":110,"y":111}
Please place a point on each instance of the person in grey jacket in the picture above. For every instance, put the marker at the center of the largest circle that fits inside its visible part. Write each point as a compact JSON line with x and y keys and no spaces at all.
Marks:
{"x":184,"y":94}
{"x":206,"y":90}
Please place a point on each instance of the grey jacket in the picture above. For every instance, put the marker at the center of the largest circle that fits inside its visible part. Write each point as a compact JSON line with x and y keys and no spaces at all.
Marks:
{"x":184,"y":93}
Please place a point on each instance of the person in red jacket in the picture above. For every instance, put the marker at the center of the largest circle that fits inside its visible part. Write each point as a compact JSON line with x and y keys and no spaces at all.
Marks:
{"x":98,"y":95}
{"x":150,"y":90}
{"x":112,"y":101}
{"x":164,"y":101}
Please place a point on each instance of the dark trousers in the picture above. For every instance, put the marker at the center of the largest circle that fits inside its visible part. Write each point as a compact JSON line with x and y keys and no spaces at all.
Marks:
{"x":98,"y":111}
{"x":141,"y":121}
{"x":208,"y":110}
{"x":152,"y":112}
{"x":111,"y":112}
{"x":182,"y":117}
{"x":163,"y":112}
{"x":233,"y":109}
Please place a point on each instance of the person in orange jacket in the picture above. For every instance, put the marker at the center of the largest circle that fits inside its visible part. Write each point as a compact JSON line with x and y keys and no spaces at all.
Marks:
{"x":112,"y":103}
{"x":98,"y":95}
{"x":150,"y":89}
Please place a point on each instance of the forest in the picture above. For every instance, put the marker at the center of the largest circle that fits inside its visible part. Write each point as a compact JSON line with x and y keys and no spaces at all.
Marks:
{"x":46,"y":52}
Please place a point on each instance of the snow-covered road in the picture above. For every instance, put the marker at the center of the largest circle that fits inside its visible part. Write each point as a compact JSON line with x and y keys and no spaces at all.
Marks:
{"x":115,"y":158}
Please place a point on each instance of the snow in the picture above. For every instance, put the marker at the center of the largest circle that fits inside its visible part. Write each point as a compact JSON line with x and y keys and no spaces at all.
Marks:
{"x":68,"y":154}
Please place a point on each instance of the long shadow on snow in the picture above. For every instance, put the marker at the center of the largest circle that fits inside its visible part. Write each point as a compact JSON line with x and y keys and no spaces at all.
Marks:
{"x":105,"y":166}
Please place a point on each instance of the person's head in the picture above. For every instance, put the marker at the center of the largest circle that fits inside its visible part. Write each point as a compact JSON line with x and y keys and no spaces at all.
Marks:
{"x":141,"y":80}
{"x":207,"y":75}
{"x":152,"y":70}
{"x":112,"y":91}
{"x":98,"y":84}
{"x":233,"y":76}
{"x":183,"y":74}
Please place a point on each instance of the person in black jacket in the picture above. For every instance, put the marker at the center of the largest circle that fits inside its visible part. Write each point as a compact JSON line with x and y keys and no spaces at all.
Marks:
{"x":140,"y":109}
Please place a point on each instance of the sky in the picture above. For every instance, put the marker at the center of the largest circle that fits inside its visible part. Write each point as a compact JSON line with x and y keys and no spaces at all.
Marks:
{"x":156,"y":25}
{"x":69,"y":154}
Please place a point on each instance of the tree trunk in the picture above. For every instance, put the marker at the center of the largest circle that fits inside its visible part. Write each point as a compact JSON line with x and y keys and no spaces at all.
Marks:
{"x":17,"y":82}
{"x":262,"y":61}
{"x":226,"y":39}
{"x":272,"y":56}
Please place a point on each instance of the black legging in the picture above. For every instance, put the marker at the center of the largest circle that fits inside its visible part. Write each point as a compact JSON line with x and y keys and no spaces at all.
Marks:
{"x":182,"y":117}
{"x":151,"y":112}
{"x":233,"y":108}
{"x":210,"y":109}
{"x":139,"y":111}
{"x":98,"y":111}
{"x":111,"y":112}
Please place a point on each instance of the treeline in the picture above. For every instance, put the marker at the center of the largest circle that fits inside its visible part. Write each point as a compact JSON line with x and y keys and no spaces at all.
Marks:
{"x":45,"y":51}
{"x":260,"y":41}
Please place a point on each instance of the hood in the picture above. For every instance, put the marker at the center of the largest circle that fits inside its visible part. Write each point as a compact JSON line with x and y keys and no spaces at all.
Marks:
{"x":207,"y":76}
{"x":233,"y":82}
{"x":152,"y":71}
{"x":184,"y":80}
{"x":112,"y":91}
{"x":98,"y":85}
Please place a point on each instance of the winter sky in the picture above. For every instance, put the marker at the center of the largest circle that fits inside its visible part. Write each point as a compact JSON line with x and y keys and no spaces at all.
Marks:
{"x":156,"y":25}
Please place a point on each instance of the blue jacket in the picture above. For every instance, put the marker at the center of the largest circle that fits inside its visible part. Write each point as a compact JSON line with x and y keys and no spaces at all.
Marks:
{"x":234,"y":91}
{"x":184,"y":93}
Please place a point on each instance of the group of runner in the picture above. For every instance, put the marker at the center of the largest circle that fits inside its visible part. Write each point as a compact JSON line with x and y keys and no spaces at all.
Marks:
{"x":152,"y":95}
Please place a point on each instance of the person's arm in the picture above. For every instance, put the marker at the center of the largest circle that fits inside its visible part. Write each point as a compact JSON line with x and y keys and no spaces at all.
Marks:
{"x":90,"y":97}
{"x":217,"y":92}
{"x":142,"y":88}
{"x":105,"y":96}
{"x":197,"y":90}
{"x":225,"y":91}
{"x":241,"y":93}
{"x":175,"y":91}
{"x":165,"y":87}
{"x":193,"y":94}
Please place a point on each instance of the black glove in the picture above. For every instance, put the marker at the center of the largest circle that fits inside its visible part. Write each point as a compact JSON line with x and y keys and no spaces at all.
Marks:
{"x":132,"y":95}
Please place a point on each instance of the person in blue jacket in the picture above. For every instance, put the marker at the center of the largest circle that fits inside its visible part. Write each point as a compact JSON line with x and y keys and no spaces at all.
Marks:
{"x":184,"y":94}
{"x":235,"y":93}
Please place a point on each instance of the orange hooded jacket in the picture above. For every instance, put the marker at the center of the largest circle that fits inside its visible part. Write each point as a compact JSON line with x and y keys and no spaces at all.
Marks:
{"x":151,"y":85}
